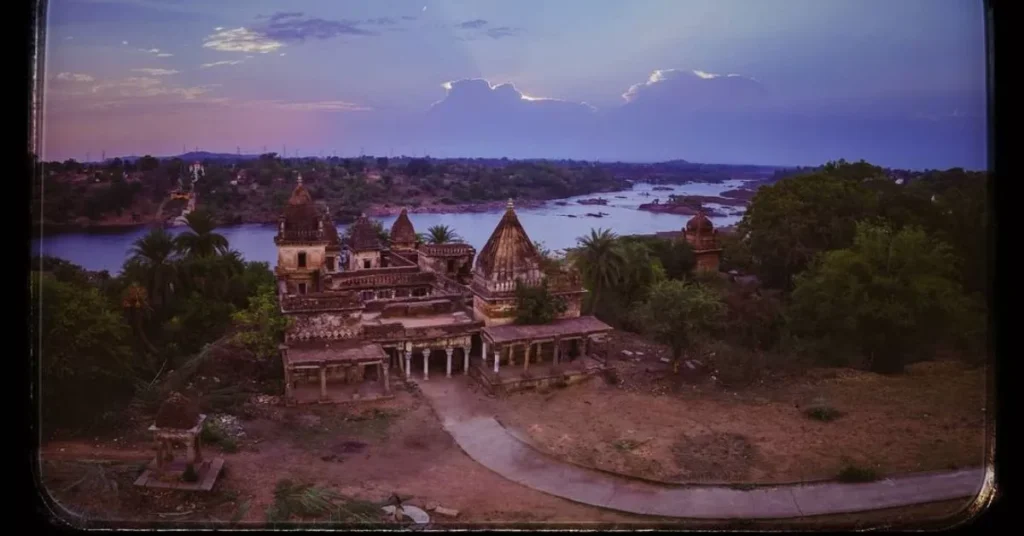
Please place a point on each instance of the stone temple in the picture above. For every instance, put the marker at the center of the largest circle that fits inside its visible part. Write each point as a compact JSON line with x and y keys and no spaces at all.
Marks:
{"x":367,"y":309}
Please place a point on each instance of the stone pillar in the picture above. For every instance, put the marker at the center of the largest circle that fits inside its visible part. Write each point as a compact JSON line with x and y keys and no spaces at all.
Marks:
{"x":408,"y":363}
{"x":497,"y":359}
{"x":287,"y":383}
{"x":426,"y":363}
{"x":199,"y":448}
{"x":557,"y":350}
{"x":323,"y":382}
{"x":586,"y":346}
{"x":526,"y":357}
{"x":483,"y":353}
{"x":449,"y":351}
{"x":511,"y":354}
{"x":384,"y":374}
{"x":465,"y":360}
{"x":190,"y":451}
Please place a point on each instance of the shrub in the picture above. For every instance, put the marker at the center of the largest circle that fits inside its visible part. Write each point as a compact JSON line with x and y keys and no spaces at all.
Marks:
{"x":229,"y":445}
{"x":823,"y":413}
{"x":211,"y":433}
{"x":736,"y":366}
{"x":190,"y":474}
{"x":853,"y":473}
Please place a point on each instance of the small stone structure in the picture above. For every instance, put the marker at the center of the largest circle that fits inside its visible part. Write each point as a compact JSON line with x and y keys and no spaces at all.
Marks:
{"x":703,"y":237}
{"x":179,"y":422}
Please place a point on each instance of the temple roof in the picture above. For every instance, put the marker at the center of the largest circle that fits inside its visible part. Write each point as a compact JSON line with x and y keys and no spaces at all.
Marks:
{"x":402,"y":231}
{"x":177,"y":412}
{"x":700,"y":222}
{"x":565,"y":327}
{"x":301,"y":214}
{"x":509,"y":251}
{"x":364,"y":236}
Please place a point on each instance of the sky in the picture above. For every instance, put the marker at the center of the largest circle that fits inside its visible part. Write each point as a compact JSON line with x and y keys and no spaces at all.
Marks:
{"x":773,"y":82}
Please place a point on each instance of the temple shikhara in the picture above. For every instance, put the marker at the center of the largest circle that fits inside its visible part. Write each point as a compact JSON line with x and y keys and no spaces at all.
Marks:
{"x":368,"y":308}
{"x":703,"y":238}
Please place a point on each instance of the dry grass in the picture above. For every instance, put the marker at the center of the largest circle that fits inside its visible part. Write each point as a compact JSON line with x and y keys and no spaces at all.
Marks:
{"x":930,"y":418}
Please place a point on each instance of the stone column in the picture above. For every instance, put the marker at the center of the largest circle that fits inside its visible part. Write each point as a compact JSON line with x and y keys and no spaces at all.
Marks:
{"x":557,"y":350}
{"x":483,"y":353}
{"x":408,"y":364}
{"x":190,"y":451}
{"x":199,"y":448}
{"x":526,"y":358}
{"x":465,"y":360}
{"x":586,"y":346}
{"x":449,"y":351}
{"x":426,"y":363}
{"x":387,"y":381}
{"x":497,"y":359}
{"x":287,"y":382}
{"x":323,"y":382}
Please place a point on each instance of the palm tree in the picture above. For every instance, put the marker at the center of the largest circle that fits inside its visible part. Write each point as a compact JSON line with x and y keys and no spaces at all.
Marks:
{"x":599,"y":261}
{"x":200,"y":240}
{"x":135,"y":301}
{"x":441,"y":234}
{"x":153,"y":262}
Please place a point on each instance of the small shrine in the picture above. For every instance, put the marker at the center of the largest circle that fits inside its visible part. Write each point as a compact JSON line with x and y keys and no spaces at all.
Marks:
{"x":179,"y":424}
{"x":703,"y":238}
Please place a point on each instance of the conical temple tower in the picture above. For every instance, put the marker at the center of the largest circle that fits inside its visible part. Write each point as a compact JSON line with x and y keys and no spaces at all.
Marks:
{"x":307,"y":244}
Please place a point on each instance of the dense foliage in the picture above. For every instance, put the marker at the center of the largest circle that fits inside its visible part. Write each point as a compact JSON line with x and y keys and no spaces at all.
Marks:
{"x":102,"y":337}
{"x":537,"y":305}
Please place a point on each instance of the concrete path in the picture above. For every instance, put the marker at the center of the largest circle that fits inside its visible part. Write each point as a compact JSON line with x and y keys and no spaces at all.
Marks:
{"x":490,"y":444}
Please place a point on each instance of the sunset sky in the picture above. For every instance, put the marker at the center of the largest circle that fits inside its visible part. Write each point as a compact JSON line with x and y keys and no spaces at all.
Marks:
{"x":785,"y":82}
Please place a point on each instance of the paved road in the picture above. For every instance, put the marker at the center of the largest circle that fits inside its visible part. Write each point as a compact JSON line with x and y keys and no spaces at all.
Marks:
{"x":490,"y":444}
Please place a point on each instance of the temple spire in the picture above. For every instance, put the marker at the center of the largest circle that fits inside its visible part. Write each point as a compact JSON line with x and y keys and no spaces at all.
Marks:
{"x":300,"y":179}
{"x":510,"y":205}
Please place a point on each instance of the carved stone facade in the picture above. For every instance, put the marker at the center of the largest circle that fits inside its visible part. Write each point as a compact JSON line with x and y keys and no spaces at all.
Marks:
{"x":361,"y":309}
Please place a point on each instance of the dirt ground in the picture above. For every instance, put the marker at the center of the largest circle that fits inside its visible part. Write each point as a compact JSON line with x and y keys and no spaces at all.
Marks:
{"x":373,"y":450}
{"x":931,"y":418}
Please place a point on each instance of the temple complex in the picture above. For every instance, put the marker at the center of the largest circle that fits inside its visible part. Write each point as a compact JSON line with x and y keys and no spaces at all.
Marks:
{"x":369,"y":306}
{"x":703,"y":238}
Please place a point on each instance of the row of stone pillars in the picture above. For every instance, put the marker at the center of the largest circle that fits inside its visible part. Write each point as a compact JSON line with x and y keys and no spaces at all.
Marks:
{"x":529,"y":350}
{"x":407,"y":368}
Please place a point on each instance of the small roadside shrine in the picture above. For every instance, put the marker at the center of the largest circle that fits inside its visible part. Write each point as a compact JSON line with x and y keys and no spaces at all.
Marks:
{"x":178,"y":424}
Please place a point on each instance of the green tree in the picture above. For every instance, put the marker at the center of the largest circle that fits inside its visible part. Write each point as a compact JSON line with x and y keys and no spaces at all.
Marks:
{"x":791,"y":221}
{"x":148,"y":163}
{"x":152,"y":262}
{"x":890,"y":297}
{"x":441,"y":234}
{"x":81,"y":344}
{"x":200,"y":240}
{"x":536,"y":305}
{"x":676,"y":312}
{"x":261,"y":324}
{"x":599,"y":261}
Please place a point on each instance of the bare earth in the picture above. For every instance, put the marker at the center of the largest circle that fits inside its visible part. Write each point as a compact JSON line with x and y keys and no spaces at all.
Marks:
{"x":931,"y":418}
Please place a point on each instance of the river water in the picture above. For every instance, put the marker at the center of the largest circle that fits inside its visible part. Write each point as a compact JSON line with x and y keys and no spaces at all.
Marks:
{"x":548,"y":224}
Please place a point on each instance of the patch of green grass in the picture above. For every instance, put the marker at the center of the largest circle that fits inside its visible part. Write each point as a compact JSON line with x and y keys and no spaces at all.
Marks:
{"x":854,"y":473}
{"x":229,"y":445}
{"x":823,"y":413}
{"x":305,"y":501}
{"x":211,"y":433}
{"x":626,"y":445}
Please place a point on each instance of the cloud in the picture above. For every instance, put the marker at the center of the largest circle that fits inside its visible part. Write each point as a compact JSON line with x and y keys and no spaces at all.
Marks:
{"x":222,"y":62}
{"x":124,"y":42}
{"x":311,"y":106}
{"x":674,"y":89}
{"x":382,"y":21}
{"x":503,"y":31}
{"x":473,"y":24}
{"x":294,"y":26}
{"x":408,"y":17}
{"x":164,"y":55}
{"x":156,"y":72}
{"x":74,"y":77}
{"x":155,"y":51}
{"x":242,"y":40}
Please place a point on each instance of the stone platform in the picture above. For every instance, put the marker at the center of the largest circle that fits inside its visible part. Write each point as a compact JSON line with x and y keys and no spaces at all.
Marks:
{"x":208,"y":471}
{"x":510,"y":379}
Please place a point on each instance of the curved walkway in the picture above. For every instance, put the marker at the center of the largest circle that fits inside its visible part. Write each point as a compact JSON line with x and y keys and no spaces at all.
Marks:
{"x":490,"y":444}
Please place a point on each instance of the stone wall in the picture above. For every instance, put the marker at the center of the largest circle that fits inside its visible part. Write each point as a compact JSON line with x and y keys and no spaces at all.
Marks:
{"x":495,"y":312}
{"x":324,"y":326}
{"x":288,"y":257}
{"x":356,"y":260}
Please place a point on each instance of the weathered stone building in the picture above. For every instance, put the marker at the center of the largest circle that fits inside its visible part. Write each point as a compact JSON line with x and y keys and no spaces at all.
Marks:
{"x":703,"y":237}
{"x":363,"y":309}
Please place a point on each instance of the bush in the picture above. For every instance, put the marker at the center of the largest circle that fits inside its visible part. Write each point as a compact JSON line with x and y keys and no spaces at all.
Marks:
{"x":735,"y":366}
{"x":190,"y":474}
{"x":823,"y":413}
{"x":229,"y":445}
{"x":853,"y":473}
{"x":211,"y":433}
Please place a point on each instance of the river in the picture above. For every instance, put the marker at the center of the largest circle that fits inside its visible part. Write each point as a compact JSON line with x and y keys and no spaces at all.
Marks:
{"x":548,"y":224}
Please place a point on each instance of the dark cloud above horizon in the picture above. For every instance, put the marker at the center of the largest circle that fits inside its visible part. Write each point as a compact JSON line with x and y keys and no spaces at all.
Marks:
{"x":294,"y":26}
